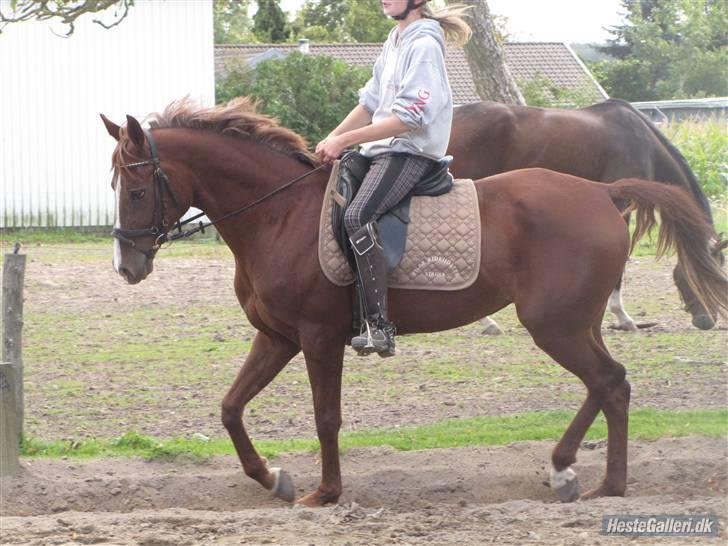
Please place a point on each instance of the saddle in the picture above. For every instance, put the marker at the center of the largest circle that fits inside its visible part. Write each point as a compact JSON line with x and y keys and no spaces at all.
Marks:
{"x":392,"y":226}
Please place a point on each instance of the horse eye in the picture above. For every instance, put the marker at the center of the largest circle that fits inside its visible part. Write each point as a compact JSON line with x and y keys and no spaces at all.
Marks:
{"x":137,"y":194}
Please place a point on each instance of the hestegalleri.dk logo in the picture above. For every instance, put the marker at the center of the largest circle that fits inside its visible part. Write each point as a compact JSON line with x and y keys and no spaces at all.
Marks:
{"x":663,"y":525}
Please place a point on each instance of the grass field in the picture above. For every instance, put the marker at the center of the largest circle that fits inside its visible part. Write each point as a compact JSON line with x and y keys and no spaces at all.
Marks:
{"x":479,"y":431}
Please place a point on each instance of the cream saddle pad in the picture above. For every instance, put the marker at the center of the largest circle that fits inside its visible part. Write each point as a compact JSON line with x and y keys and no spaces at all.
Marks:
{"x":442,"y":251}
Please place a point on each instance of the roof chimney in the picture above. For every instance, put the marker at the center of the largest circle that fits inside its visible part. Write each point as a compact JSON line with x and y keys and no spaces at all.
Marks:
{"x":303,"y":46}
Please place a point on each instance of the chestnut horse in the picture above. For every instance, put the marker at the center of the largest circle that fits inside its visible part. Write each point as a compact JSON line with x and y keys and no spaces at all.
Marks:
{"x":604,"y":142}
{"x":553,"y":244}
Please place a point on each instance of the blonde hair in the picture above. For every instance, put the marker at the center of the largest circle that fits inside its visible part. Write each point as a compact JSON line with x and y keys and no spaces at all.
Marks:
{"x":457,"y":31}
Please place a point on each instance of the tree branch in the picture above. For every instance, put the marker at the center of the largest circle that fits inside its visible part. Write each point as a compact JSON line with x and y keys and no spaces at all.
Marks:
{"x":65,"y":11}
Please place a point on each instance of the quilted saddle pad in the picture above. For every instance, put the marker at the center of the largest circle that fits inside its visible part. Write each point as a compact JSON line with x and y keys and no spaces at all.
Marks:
{"x":443,"y":241}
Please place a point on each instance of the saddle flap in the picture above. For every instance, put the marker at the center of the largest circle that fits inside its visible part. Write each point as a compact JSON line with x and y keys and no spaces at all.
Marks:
{"x":352,"y":168}
{"x":393,"y":232}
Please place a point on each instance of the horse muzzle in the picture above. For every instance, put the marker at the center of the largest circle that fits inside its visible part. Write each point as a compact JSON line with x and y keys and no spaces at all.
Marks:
{"x":703,"y":321}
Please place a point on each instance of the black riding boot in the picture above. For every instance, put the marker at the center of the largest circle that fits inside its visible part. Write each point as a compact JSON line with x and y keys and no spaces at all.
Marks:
{"x":377,"y":333}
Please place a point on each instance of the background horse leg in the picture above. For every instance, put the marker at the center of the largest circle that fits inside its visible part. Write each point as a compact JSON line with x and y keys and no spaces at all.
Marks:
{"x":490,"y":327}
{"x":616,"y":306}
{"x":268,"y":356}
{"x":324,"y":362}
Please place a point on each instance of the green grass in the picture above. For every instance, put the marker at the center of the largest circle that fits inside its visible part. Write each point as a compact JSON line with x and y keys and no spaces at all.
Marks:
{"x":48,"y":245}
{"x":55,"y":236}
{"x":704,"y":144}
{"x":645,"y":424}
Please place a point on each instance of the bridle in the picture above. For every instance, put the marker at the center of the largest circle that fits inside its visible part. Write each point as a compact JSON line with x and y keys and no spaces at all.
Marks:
{"x":160,"y":224}
{"x":160,"y":228}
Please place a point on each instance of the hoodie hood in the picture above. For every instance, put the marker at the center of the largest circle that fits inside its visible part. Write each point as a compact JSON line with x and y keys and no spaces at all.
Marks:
{"x":418,"y":29}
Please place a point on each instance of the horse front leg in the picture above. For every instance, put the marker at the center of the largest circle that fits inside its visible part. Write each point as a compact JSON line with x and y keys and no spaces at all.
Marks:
{"x":324,"y":362}
{"x":268,"y":355}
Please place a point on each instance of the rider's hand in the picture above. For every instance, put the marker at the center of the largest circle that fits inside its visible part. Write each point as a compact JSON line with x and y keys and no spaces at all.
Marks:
{"x":331,"y":147}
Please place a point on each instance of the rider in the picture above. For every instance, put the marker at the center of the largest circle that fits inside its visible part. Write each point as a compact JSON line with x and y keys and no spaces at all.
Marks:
{"x":403,"y":120}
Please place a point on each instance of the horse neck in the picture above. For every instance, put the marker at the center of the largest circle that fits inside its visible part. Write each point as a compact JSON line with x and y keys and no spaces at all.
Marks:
{"x":230,"y":173}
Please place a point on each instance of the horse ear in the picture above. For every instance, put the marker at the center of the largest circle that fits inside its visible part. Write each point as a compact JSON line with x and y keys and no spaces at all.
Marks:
{"x":111,"y":127}
{"x":135,"y":131}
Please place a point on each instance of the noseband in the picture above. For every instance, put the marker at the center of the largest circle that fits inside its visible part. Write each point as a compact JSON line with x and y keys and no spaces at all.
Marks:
{"x":160,"y":229}
{"x":160,"y":225}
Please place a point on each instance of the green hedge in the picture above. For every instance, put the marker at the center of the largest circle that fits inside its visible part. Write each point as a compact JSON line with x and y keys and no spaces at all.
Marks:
{"x":704,"y":143}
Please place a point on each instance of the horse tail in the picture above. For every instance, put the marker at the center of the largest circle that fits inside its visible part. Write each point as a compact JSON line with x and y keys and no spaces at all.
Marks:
{"x":683,"y":227}
{"x":677,"y":155}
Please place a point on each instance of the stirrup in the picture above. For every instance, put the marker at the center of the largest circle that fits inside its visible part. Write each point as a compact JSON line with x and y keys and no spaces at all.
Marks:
{"x":375,"y":339}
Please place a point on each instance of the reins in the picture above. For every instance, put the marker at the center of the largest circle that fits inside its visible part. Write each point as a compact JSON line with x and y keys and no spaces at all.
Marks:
{"x":184,"y":234}
{"x":159,"y":221}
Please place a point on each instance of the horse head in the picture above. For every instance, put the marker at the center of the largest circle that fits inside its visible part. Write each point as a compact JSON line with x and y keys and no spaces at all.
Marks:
{"x":147,"y":202}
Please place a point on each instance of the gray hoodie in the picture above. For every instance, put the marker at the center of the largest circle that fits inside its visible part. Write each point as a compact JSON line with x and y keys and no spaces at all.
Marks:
{"x":410,"y":81}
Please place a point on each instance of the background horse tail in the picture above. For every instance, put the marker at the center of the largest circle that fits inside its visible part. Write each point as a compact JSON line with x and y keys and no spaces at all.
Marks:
{"x":677,"y":155}
{"x":683,"y":227}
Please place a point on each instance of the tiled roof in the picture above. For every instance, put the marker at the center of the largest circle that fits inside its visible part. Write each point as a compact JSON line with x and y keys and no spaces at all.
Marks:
{"x":526,"y":60}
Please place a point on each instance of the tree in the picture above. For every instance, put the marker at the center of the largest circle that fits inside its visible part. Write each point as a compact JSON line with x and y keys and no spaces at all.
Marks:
{"x":342,"y":21}
{"x":327,"y":14}
{"x":269,"y":22}
{"x":65,"y":11}
{"x":493,"y":80}
{"x":231,"y":22}
{"x":366,"y":23}
{"x":668,"y":49}
{"x":309,"y":94}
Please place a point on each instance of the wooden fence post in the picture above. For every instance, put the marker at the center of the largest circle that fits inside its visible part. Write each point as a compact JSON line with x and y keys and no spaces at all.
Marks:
{"x":12,"y":302}
{"x":9,"y":463}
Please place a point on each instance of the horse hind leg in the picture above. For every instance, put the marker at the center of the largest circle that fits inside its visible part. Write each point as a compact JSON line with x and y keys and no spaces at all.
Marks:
{"x":585,"y":355}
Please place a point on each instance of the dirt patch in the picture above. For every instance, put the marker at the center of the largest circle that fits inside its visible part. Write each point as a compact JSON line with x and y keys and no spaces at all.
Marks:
{"x":447,"y":496}
{"x":103,"y":358}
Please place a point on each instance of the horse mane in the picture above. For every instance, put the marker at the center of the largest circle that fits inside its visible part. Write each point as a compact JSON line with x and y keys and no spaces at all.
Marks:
{"x":236,"y":118}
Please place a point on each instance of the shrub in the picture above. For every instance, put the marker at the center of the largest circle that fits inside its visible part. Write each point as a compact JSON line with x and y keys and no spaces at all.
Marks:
{"x":543,"y":92}
{"x":309,"y":94}
{"x":704,"y":143}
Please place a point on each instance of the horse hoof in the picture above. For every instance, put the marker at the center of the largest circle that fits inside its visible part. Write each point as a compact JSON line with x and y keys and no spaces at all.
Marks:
{"x":492,"y":330}
{"x":629,"y":326}
{"x":283,"y":487}
{"x":603,"y":491}
{"x":566,"y":484}
{"x":569,"y":492}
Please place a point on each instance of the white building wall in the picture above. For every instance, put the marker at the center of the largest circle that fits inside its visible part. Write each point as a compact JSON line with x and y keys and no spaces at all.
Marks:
{"x":55,"y":153}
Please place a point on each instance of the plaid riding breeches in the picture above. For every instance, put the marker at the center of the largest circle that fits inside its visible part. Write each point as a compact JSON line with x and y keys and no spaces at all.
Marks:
{"x":389,"y":179}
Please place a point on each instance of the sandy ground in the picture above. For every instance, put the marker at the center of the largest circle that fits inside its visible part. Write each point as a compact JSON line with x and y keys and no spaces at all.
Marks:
{"x":450,"y":496}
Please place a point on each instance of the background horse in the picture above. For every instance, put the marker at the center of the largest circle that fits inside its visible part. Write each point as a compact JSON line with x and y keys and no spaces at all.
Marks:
{"x":553,"y":244}
{"x":604,"y":142}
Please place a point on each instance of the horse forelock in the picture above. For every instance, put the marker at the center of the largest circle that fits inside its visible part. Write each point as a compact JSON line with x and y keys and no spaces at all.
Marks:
{"x":123,"y":154}
{"x":236,"y":118}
